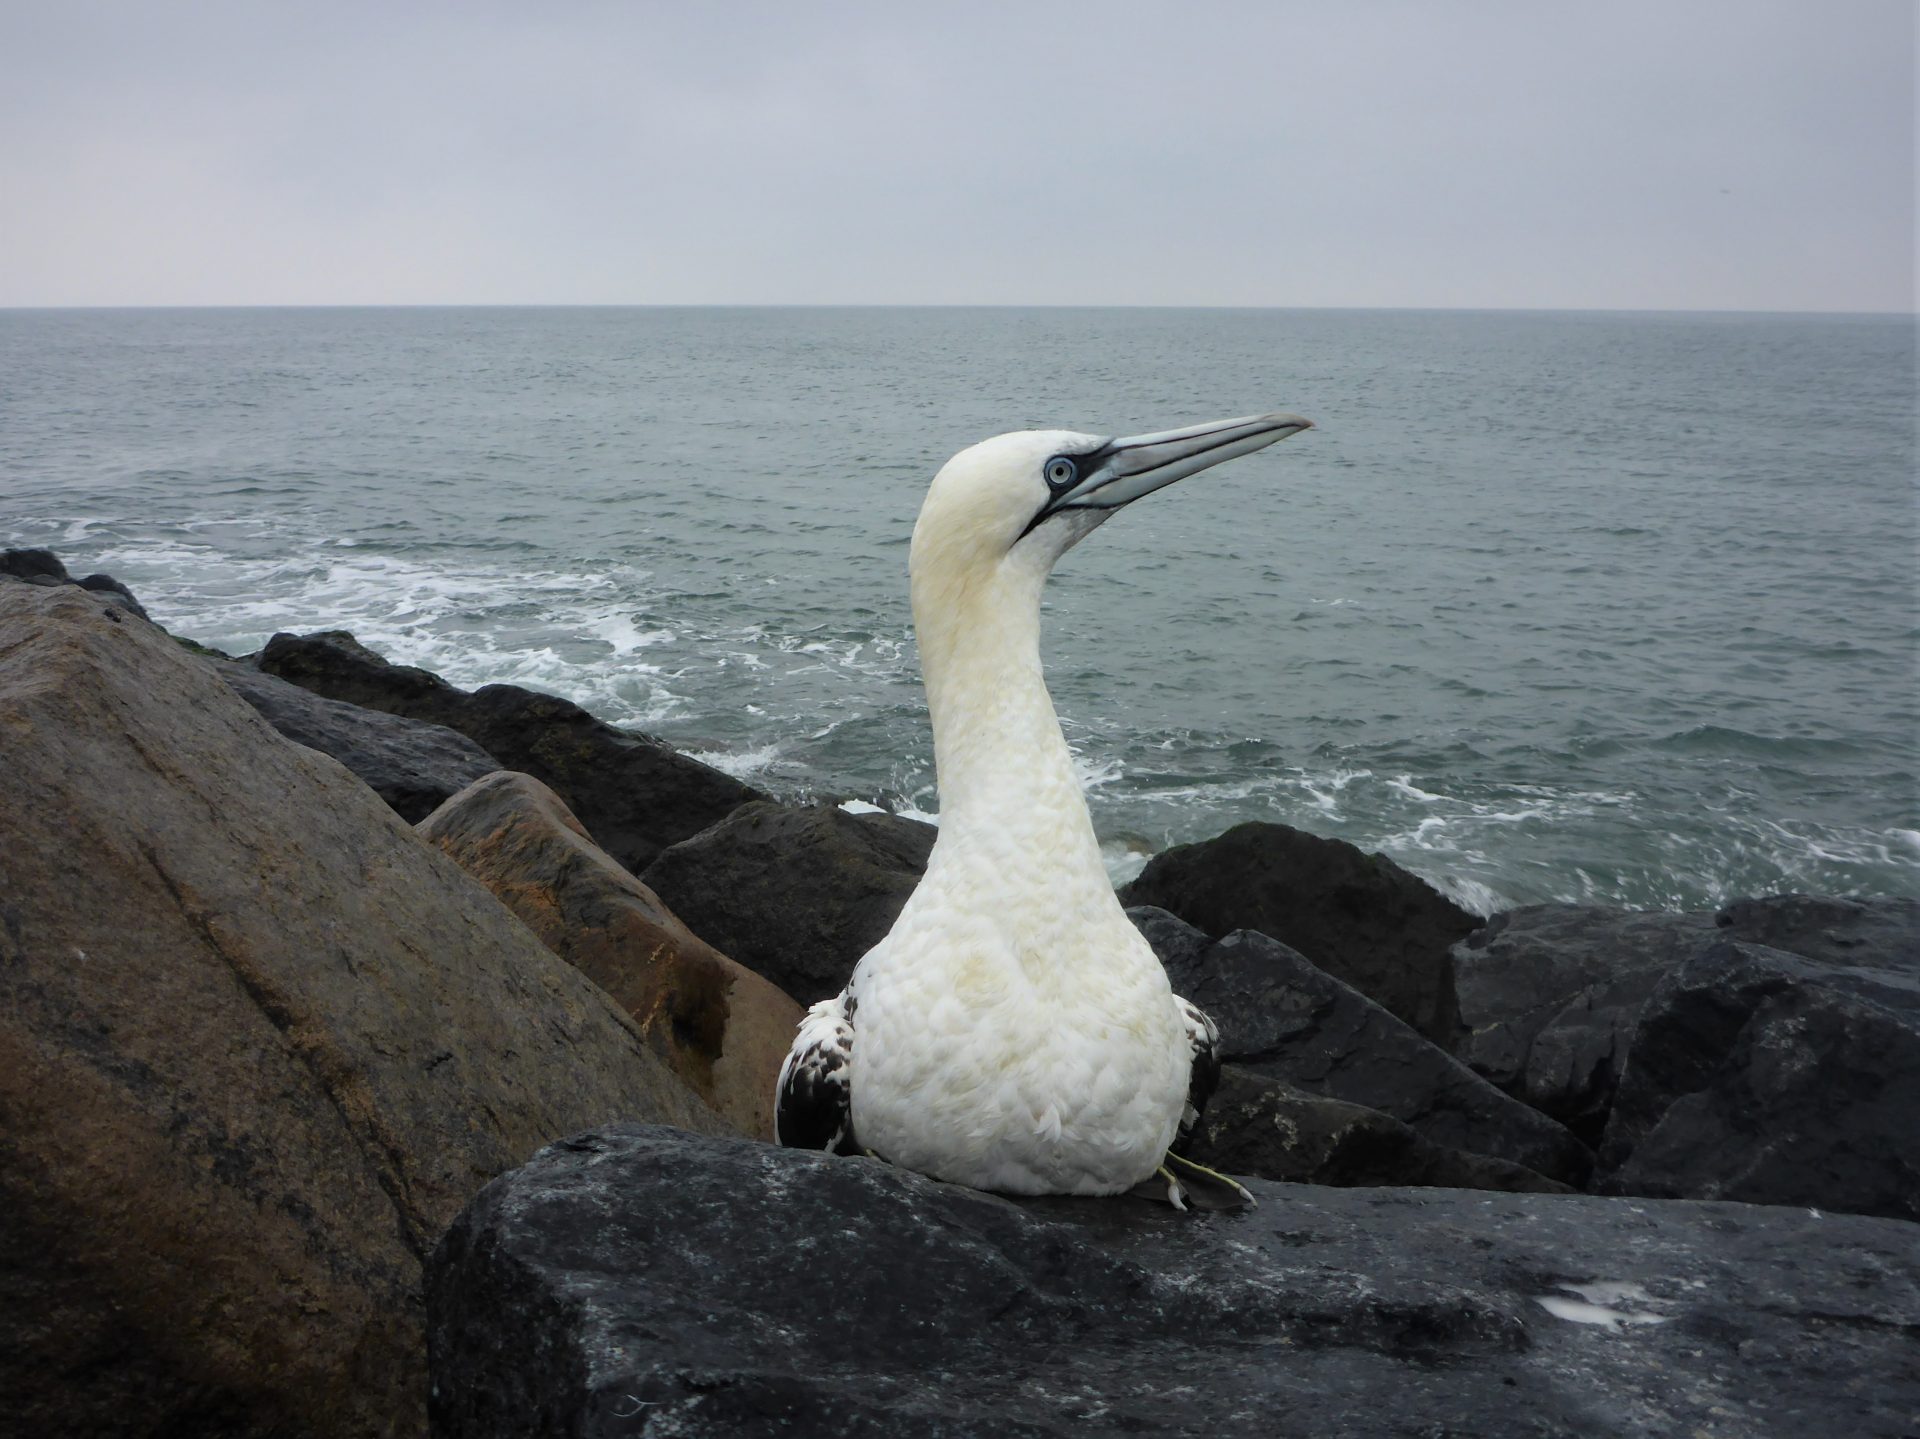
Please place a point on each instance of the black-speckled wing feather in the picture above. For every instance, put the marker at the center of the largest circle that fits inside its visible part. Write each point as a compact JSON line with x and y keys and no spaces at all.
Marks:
{"x":1205,"y":1077}
{"x":813,"y":1101}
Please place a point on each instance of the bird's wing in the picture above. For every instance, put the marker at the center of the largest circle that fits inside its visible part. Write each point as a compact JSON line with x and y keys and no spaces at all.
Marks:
{"x":813,"y":1101}
{"x":1204,"y":1078}
{"x":1180,"y":1181}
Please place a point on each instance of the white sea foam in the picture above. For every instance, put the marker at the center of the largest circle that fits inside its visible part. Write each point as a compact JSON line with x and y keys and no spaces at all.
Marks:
{"x":742,"y":764}
{"x":1404,"y":785}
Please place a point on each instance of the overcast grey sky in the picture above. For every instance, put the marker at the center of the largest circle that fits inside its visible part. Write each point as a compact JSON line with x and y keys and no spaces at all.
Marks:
{"x":1492,"y":153}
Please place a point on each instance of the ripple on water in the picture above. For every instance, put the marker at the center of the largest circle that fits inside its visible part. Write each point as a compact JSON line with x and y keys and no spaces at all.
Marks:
{"x":1526,"y":669}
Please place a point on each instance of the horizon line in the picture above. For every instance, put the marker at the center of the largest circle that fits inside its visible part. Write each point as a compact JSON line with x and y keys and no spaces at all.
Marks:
{"x":954,"y":305}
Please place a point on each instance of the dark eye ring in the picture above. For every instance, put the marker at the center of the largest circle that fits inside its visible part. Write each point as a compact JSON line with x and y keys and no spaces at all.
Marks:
{"x":1061,"y":472}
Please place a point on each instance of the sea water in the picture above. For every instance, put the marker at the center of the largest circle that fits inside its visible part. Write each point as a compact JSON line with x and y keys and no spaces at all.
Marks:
{"x":1615,"y":608}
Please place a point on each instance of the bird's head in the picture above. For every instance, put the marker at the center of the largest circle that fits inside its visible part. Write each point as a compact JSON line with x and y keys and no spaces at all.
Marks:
{"x":1022,"y":500}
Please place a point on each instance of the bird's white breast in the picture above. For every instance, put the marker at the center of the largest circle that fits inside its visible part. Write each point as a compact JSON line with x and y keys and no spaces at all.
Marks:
{"x":1015,"y":1032}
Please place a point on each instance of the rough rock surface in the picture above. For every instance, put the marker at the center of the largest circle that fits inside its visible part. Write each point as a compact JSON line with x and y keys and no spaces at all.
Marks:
{"x":1870,"y":933}
{"x":43,"y":567}
{"x":1360,"y":917}
{"x":413,"y":765}
{"x":797,"y":895}
{"x":634,"y":794}
{"x":718,"y":1025}
{"x":1282,"y":1017}
{"x":1270,"y":1129}
{"x":638,"y":1281}
{"x":258,"y":1045}
{"x":1771,"y":1078}
{"x":1550,"y":994}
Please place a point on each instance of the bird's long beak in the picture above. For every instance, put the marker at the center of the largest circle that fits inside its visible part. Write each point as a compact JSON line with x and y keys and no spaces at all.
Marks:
{"x":1124,"y":470}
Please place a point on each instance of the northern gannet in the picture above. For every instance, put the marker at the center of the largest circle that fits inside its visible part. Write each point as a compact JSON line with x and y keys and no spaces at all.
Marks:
{"x":1013,"y":1031}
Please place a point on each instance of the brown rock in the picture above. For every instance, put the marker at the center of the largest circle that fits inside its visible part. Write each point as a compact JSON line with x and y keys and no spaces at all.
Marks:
{"x":717,"y":1024}
{"x":258,"y":1044}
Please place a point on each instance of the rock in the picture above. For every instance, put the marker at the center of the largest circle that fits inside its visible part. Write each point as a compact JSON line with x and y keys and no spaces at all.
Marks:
{"x":1550,"y":994}
{"x":258,"y":1045}
{"x":1272,"y":1130}
{"x":413,"y":765}
{"x":1770,"y":1078}
{"x":1871,"y":933}
{"x":634,"y":794}
{"x":797,"y":895}
{"x":109,"y":587}
{"x":1360,"y":917}
{"x":718,"y":1025}
{"x":34,"y":564}
{"x":635,"y":1280}
{"x":1282,"y":1017}
{"x":43,"y":567}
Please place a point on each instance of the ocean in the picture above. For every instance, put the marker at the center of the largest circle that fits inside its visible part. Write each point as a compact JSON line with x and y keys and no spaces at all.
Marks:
{"x":1608,"y":608}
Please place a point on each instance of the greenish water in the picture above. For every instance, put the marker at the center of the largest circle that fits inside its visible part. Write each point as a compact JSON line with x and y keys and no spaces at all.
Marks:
{"x":1610,"y":607}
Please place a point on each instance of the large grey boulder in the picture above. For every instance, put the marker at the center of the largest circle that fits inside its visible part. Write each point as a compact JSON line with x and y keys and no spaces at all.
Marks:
{"x":796,"y":894}
{"x":1772,"y":1078}
{"x":640,"y":1281}
{"x":258,"y":1045}
{"x":413,"y":765}
{"x":1282,"y":1017}
{"x":1878,"y":933}
{"x":1360,"y":917}
{"x":1550,"y":995}
{"x":635,"y":794}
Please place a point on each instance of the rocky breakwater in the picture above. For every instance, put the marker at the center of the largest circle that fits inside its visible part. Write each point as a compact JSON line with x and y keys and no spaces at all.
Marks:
{"x":258,"y":1045}
{"x":262,"y":1039}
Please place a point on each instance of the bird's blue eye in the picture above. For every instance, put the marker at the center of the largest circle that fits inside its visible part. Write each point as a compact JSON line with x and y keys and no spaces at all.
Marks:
{"x":1061,"y":472}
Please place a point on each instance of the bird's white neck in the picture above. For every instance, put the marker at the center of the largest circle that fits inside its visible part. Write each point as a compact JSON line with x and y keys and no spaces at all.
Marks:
{"x":1006,"y":777}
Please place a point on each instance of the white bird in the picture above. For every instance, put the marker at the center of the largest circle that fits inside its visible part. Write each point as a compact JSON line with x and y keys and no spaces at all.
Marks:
{"x":1013,"y":1031}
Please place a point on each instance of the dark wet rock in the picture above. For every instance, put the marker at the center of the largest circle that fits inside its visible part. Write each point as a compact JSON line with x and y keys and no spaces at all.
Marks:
{"x":634,"y":794}
{"x":795,"y":894}
{"x":1869,"y":933}
{"x":1283,"y":1017}
{"x":258,"y":1045}
{"x":637,"y":1280}
{"x":1767,"y":1077}
{"x":43,"y":567}
{"x":34,"y":564}
{"x":1265,"y":1127}
{"x":108,"y":586}
{"x":718,"y":1025}
{"x":1550,"y":995}
{"x":413,"y":765}
{"x":1360,"y":917}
